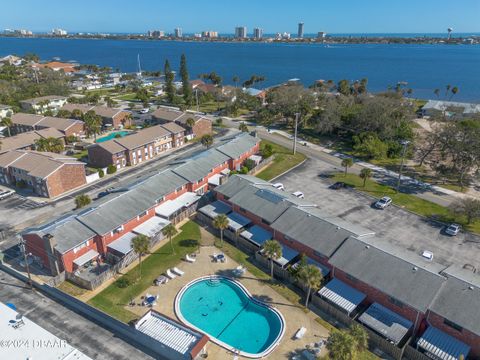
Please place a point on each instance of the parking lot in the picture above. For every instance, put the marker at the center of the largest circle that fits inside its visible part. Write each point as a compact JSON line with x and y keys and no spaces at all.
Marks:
{"x":392,"y":226}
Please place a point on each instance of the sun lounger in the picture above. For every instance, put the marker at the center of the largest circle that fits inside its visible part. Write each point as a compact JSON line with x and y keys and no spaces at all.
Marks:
{"x":178,"y":271}
{"x":170,"y":274}
{"x":300,"y":333}
{"x":190,"y":259}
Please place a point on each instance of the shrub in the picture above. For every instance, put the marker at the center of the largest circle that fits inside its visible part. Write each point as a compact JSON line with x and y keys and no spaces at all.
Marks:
{"x":111,"y":169}
{"x":101,"y":173}
{"x":82,"y":201}
{"x":249,"y":164}
{"x":244,"y":170}
{"x":71,"y":139}
{"x":123,"y":282}
{"x":267,"y":151}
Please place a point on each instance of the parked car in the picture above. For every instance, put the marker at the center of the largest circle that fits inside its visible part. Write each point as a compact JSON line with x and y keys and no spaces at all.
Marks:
{"x":144,"y":111}
{"x":299,"y":194}
{"x":338,"y":185}
{"x":453,"y":229}
{"x":6,"y":193}
{"x":383,"y":202}
{"x":279,"y":186}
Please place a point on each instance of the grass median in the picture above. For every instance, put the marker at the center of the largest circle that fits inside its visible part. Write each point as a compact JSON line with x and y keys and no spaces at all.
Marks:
{"x":408,"y":201}
{"x":284,"y":160}
{"x":113,"y":299}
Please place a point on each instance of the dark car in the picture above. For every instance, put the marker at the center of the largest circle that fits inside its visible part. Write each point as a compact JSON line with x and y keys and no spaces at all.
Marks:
{"x":338,"y":185}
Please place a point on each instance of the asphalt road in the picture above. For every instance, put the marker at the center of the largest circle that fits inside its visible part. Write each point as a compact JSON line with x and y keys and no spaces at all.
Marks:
{"x":88,"y":337}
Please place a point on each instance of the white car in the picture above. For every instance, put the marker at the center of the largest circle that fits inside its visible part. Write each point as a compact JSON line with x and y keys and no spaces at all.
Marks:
{"x":144,"y":111}
{"x":6,"y":193}
{"x":383,"y":202}
{"x":452,"y":229}
{"x":279,"y":186}
{"x":299,"y":194}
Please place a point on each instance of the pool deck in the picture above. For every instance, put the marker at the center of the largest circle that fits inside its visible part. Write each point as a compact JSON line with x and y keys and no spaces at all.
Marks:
{"x":294,"y":315}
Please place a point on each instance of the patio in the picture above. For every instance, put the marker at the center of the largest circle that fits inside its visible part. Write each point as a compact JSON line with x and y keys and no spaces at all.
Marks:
{"x":294,"y":315}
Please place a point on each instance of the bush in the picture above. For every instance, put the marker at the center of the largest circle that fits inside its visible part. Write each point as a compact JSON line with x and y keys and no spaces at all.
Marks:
{"x":101,"y":173}
{"x":82,"y":201}
{"x":267,"y":151}
{"x":244,"y":170}
{"x":249,"y":164}
{"x":370,"y":146}
{"x":111,"y":169}
{"x":123,"y":282}
{"x":71,"y":139}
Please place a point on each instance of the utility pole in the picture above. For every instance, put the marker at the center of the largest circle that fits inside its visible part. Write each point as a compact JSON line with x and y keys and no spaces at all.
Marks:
{"x":25,"y":258}
{"x":196,"y":97}
{"x":297,"y":115}
{"x":405,"y":144}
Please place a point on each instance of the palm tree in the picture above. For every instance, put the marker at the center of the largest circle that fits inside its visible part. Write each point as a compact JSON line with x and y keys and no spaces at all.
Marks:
{"x":7,"y":122}
{"x":341,"y":345}
{"x":365,"y":174}
{"x":140,"y":244}
{"x":437,"y":92}
{"x":448,"y":87}
{"x":93,"y":123}
{"x":221,"y":223}
{"x":207,"y":140}
{"x":454,"y":91}
{"x":312,"y":277}
{"x":49,"y":144}
{"x":170,"y":231}
{"x":190,"y":122}
{"x":360,"y":336}
{"x":273,"y":250}
{"x":243,"y":127}
{"x":77,"y":114}
{"x":346,"y":163}
{"x":236,"y":79}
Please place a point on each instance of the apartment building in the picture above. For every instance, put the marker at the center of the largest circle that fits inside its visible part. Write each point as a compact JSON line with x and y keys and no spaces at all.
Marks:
{"x":22,"y":122}
{"x":111,"y":117}
{"x":41,"y":104}
{"x":200,"y":125}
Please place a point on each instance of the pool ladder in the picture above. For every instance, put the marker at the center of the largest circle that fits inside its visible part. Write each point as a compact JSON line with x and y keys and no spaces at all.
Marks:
{"x":213,"y":282}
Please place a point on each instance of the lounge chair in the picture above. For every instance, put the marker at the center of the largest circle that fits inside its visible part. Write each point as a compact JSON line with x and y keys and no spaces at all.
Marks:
{"x":190,"y":259}
{"x":178,"y":271}
{"x":170,"y":274}
{"x":300,"y":333}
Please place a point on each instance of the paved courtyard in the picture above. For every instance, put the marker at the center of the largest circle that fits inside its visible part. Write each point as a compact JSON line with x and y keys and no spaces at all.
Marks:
{"x":294,"y":315}
{"x":392,"y":225}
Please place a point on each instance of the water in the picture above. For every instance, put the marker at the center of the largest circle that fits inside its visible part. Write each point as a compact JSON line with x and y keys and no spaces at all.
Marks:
{"x":424,"y":67}
{"x":112,"y":136}
{"x":222,"y":310}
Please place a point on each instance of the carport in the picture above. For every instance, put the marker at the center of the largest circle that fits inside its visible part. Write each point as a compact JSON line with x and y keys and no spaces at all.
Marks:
{"x":122,"y":246}
{"x":342,"y":296}
{"x":152,"y":227}
{"x":85,"y":258}
{"x":386,"y":323}
{"x":438,"y":345}
{"x":214,"y":209}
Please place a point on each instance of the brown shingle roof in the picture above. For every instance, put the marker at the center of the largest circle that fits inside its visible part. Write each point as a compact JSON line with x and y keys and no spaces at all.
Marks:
{"x":111,"y":146}
{"x":166,"y":114}
{"x":143,"y":137}
{"x":49,"y":132}
{"x":82,"y":107}
{"x":173,"y":128}
{"x":26,"y":119}
{"x":61,"y":124}
{"x":19,"y":141}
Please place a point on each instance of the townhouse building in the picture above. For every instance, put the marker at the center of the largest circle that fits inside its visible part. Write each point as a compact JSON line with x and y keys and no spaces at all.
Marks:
{"x":134,"y":149}
{"x":22,"y":122}
{"x":46,"y":174}
{"x":26,"y":141}
{"x":201,"y":125}
{"x":115,"y":118}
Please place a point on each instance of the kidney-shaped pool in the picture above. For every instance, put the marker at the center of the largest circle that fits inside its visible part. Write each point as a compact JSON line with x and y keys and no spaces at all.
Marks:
{"x":224,"y":310}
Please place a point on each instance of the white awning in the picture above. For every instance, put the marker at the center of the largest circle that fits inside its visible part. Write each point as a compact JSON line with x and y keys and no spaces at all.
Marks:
{"x":442,"y":345}
{"x":237,"y":221}
{"x":342,"y":295}
{"x":123,"y":244}
{"x":256,"y":158}
{"x":82,"y":260}
{"x":170,"y":207}
{"x":152,"y":226}
{"x":225,"y":171}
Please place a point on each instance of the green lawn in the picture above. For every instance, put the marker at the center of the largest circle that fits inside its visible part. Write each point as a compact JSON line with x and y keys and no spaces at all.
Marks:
{"x":407,"y":201}
{"x":284,"y":160}
{"x":208,"y":107}
{"x":127,"y":97}
{"x":81,"y":154}
{"x":113,"y":299}
{"x":71,"y":289}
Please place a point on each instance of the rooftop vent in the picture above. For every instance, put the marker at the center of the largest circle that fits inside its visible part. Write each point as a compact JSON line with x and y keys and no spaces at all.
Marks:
{"x":471,"y":287}
{"x":415,"y":268}
{"x":367,"y":246}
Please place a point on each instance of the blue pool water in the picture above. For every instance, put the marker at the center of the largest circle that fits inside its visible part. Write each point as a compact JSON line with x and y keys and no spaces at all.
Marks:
{"x":112,"y":136}
{"x":225,"y":312}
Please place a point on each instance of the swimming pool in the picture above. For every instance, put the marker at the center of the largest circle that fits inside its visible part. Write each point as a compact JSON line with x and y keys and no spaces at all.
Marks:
{"x":224,"y":310}
{"x":112,"y":136}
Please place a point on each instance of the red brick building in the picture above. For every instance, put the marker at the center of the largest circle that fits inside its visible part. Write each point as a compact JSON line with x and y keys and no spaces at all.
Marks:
{"x":46,"y":174}
{"x":195,"y":125}
{"x":22,"y":122}
{"x":112,"y":117}
{"x":133,"y":149}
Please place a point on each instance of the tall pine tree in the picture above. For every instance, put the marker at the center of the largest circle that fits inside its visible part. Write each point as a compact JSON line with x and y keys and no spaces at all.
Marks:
{"x":169,"y":87}
{"x":186,"y":87}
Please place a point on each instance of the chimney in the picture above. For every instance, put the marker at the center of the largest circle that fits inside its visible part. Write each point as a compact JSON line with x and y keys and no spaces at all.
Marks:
{"x":49,"y":243}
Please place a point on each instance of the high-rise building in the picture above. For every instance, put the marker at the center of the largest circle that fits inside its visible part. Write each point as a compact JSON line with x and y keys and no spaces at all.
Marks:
{"x":300,"y":30}
{"x":59,"y":32}
{"x":156,"y":33}
{"x":178,"y":32}
{"x":321,"y":35}
{"x":258,"y":33}
{"x":210,"y":34}
{"x":241,"y":32}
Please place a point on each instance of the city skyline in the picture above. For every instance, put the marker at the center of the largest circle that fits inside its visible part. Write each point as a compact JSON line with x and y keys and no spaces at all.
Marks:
{"x":372,"y":16}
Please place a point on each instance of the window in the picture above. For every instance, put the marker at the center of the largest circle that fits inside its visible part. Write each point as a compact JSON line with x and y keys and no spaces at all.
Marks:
{"x":396,"y":302}
{"x":452,"y":325}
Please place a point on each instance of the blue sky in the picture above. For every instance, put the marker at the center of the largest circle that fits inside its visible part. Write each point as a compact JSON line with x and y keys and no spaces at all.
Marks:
{"x":332,"y":16}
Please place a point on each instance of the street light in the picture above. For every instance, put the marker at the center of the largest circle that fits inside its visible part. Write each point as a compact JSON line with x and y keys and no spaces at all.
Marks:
{"x":405,"y":145}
